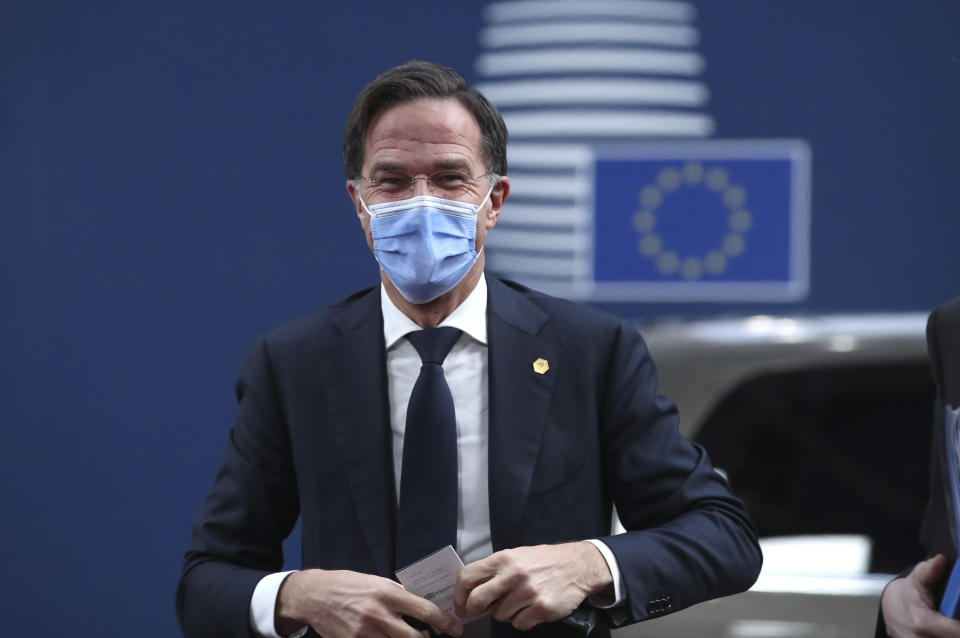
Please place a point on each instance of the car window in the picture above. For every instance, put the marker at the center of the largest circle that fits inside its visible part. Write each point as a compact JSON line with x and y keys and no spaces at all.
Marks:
{"x":831,"y":450}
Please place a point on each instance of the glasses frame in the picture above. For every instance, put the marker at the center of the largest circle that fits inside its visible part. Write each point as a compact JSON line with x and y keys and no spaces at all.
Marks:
{"x":431,"y":187}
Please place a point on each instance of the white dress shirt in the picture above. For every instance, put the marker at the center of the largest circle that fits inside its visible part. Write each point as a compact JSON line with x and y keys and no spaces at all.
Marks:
{"x":465,"y":369}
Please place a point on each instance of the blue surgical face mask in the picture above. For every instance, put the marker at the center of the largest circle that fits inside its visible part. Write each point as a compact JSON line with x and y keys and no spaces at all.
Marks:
{"x":425,"y":244}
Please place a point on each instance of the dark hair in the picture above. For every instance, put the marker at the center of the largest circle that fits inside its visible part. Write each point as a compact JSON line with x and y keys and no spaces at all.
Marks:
{"x":415,"y":80}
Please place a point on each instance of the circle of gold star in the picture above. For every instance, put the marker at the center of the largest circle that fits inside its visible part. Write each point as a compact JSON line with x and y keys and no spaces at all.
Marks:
{"x":691,"y":267}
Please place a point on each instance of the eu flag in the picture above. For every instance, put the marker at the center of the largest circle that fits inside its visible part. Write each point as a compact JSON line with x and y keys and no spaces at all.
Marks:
{"x":702,"y":220}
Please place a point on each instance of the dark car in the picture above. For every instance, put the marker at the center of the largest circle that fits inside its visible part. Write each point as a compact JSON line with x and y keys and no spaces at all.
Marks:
{"x":822,"y":425}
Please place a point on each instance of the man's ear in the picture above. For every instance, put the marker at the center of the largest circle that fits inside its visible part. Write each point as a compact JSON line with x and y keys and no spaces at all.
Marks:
{"x":497,"y":198}
{"x":355,"y":198}
{"x":361,"y":214}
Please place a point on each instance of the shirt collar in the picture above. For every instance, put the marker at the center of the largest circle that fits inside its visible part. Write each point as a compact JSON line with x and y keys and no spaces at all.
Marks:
{"x":470,"y":316}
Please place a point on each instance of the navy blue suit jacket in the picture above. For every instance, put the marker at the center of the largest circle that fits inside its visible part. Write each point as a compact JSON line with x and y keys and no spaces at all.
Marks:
{"x":312,"y":439}
{"x":943,"y":350}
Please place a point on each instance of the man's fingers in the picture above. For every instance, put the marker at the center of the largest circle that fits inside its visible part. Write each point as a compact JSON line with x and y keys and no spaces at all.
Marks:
{"x":524,"y":609}
{"x":422,"y":609}
{"x":908,"y":604}
{"x":936,"y":625}
{"x":396,"y":627}
{"x":528,"y":585}
{"x":929,"y":572}
{"x":528,"y":618}
{"x":486,"y":594}
{"x":460,"y":593}
{"x":507,"y":607}
{"x":468,"y":579}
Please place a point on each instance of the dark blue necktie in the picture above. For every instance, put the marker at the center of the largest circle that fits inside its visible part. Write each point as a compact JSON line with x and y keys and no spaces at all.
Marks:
{"x":427,"y":515}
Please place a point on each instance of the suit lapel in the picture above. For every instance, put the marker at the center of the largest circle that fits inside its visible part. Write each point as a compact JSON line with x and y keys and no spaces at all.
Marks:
{"x":518,"y":403}
{"x":356,"y":385}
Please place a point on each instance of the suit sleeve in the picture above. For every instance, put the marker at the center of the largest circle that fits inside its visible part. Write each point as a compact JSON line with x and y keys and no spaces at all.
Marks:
{"x":253,"y":506}
{"x":689,"y":538}
{"x":934,"y":530}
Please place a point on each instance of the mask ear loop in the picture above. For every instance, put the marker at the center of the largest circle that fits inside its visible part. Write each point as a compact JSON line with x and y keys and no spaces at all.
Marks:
{"x":482,"y":202}
{"x":363,"y":204}
{"x":479,"y":208}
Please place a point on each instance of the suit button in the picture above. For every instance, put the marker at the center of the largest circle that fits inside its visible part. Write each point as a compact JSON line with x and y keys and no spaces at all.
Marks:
{"x":660,"y":605}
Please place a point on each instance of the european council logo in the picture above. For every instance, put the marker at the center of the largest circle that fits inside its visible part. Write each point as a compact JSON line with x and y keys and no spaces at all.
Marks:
{"x":597,"y":210}
{"x":710,"y":220}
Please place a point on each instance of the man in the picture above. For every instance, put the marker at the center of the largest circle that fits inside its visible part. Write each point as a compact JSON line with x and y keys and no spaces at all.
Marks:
{"x":908,"y":605}
{"x":556,"y":415}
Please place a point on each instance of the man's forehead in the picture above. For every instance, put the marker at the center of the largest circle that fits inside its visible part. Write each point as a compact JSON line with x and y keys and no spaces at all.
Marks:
{"x":426,"y":125}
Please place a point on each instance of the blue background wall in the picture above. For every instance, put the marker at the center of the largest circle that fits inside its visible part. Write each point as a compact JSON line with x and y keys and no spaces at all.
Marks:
{"x":170,"y":186}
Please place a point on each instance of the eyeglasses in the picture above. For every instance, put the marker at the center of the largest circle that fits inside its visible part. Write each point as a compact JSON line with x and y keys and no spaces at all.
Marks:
{"x":445,"y":183}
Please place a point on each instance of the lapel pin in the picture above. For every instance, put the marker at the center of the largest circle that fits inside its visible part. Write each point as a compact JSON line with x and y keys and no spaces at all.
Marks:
{"x":540,"y":366}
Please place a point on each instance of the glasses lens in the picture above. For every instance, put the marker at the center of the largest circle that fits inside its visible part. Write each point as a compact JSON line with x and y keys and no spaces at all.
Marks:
{"x":390,"y":185}
{"x":449,"y":183}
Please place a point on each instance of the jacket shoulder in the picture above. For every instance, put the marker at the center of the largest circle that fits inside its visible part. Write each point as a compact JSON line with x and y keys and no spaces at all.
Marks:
{"x":567,"y":313}
{"x":943,"y":342}
{"x":328,"y":322}
{"x":950,"y":311}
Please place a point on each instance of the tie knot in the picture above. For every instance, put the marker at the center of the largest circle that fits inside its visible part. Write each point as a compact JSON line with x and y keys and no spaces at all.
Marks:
{"x":433,"y":344}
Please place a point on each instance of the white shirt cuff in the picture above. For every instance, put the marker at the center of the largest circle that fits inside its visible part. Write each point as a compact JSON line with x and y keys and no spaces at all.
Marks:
{"x":619,"y":587}
{"x":263,"y":605}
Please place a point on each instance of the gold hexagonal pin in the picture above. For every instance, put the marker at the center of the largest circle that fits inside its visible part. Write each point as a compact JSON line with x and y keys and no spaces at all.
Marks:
{"x":540,"y":366}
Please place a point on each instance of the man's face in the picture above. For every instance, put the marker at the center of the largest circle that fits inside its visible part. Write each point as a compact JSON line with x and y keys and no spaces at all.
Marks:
{"x":422,"y":137}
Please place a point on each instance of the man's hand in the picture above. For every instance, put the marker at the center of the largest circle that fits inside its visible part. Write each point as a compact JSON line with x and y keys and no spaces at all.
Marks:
{"x":344,"y":604}
{"x":530,"y":585}
{"x":908,"y":605}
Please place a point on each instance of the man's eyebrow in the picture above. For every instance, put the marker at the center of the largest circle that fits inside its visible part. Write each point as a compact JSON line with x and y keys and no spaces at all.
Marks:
{"x":450,"y":164}
{"x":386,"y":167}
